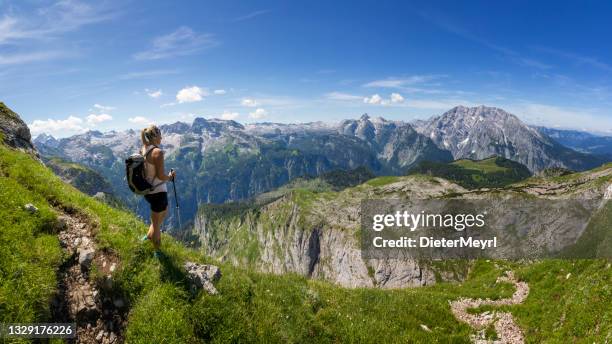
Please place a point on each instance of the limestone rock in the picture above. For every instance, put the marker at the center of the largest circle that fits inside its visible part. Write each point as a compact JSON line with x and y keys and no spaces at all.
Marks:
{"x":202,"y":276}
{"x":86,"y":256}
{"x":31,"y":208}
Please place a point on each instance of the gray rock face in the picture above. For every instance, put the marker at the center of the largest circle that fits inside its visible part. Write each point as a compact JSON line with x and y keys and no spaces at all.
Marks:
{"x":397,"y":144}
{"x":202,"y":276}
{"x":14,"y":132}
{"x":480,"y":132}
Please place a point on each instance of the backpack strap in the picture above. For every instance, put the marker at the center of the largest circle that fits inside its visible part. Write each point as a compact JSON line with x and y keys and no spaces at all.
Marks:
{"x":149,"y":150}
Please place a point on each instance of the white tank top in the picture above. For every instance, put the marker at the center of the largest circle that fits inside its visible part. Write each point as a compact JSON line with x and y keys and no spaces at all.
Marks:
{"x":151,"y":173}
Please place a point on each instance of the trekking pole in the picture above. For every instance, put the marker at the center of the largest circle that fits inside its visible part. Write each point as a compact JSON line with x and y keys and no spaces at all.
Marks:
{"x":177,"y":210}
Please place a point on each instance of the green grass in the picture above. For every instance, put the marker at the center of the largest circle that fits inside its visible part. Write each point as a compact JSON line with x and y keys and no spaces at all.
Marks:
{"x":29,"y":255}
{"x":263,"y":308}
{"x":493,"y":172}
{"x":381,"y":181}
{"x":486,"y":165}
{"x":65,"y":164}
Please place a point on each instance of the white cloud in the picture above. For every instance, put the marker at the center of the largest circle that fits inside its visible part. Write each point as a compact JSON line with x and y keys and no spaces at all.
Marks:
{"x":103,"y":108}
{"x":227,"y":115}
{"x":103,"y":117}
{"x":191,"y":94}
{"x":139,"y":120}
{"x":342,"y":96}
{"x":219,"y":92}
{"x":251,"y":15}
{"x":154,"y":93}
{"x":181,"y":42}
{"x":33,"y":36}
{"x":45,"y":22}
{"x":19,"y":58}
{"x":401,"y":82}
{"x":259,"y":113}
{"x":375,"y":99}
{"x":60,"y":127}
{"x":249,"y":102}
{"x":148,"y":74}
{"x":396,"y":98}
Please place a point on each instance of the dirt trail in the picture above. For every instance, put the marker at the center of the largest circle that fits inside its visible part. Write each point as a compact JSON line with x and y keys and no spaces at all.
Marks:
{"x":508,"y":332}
{"x":99,"y":316}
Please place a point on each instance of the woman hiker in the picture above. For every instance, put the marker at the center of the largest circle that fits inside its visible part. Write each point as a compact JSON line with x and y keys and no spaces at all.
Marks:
{"x":155,"y":175}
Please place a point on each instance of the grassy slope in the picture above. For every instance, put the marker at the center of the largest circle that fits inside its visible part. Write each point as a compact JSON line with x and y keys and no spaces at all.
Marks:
{"x":473,"y":174}
{"x":254,"y":307}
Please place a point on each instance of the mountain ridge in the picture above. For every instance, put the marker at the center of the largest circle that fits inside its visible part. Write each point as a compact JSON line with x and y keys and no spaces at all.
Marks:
{"x":223,"y":160}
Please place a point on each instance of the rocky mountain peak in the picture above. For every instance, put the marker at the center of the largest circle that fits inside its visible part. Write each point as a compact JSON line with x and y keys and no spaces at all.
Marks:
{"x":482,"y":131}
{"x":94,"y":133}
{"x":214,"y":127}
{"x":47,"y":140}
{"x":175,"y":128}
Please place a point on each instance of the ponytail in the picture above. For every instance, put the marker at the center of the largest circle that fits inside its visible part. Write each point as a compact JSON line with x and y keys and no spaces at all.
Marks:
{"x":149,"y":134}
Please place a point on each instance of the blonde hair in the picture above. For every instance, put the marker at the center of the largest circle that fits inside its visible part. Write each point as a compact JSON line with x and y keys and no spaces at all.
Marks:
{"x":149,"y":134}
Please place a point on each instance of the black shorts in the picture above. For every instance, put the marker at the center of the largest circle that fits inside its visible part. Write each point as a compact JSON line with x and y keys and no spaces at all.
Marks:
{"x":158,"y":201}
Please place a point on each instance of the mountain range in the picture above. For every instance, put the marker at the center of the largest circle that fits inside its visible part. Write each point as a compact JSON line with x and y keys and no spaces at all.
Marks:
{"x":223,"y":160}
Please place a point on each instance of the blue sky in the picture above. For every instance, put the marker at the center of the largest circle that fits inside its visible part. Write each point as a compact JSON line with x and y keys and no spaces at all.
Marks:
{"x":70,"y":66}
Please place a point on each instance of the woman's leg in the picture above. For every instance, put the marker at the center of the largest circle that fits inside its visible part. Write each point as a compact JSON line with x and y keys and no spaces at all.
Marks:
{"x":154,"y":233}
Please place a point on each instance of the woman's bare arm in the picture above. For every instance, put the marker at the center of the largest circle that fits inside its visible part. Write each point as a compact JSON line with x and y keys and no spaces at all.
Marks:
{"x":158,"y":160}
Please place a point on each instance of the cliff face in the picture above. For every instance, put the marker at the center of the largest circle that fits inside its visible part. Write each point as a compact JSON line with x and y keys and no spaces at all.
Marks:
{"x":14,"y":132}
{"x":317,"y":234}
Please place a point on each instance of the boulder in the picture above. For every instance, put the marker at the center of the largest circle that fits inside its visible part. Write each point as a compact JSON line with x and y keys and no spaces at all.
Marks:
{"x":202,"y":276}
{"x":86,"y":256}
{"x":31,"y":208}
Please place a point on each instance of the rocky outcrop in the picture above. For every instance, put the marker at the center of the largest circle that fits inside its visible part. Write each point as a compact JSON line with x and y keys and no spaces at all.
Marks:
{"x":202,"y":276}
{"x":14,"y":132}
